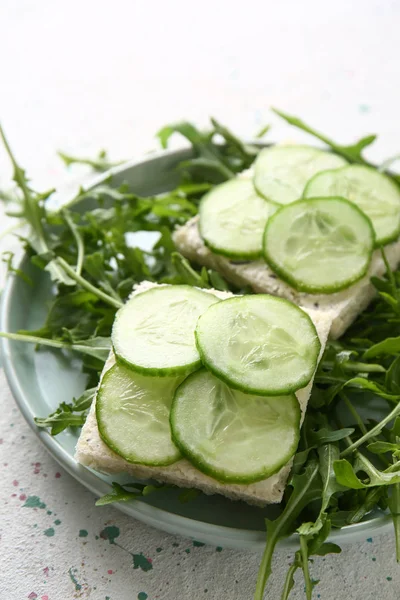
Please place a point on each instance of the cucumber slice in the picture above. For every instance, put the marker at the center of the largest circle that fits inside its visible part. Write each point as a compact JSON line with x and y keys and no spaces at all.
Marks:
{"x":372,"y":191}
{"x":132,"y":413}
{"x":281,"y":172}
{"x":232,"y":436}
{"x":154,"y":332}
{"x":233,"y":218}
{"x":319,"y":245}
{"x":259,"y":344}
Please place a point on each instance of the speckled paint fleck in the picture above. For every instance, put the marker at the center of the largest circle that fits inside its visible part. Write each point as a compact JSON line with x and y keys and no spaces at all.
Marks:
{"x":83,"y":533}
{"x":34,"y":502}
{"x":49,"y":532}
{"x":141,"y":562}
{"x":142,"y":596}
{"x":110,"y":533}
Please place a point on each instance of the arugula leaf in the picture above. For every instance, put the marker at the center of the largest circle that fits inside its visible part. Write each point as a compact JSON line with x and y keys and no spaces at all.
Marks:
{"x":383,"y":447}
{"x":100,"y":163}
{"x":352,"y":153}
{"x":65,"y":415}
{"x":388,"y":346}
{"x":392,"y":379}
{"x":187,"y":274}
{"x":263,"y":131}
{"x":346,"y":473}
{"x":80,"y":246}
{"x":306,"y":488}
{"x":217,"y":282}
{"x":187,"y":130}
{"x":315,"y":545}
{"x":327,"y":436}
{"x":7,"y":258}
{"x":32,"y":210}
{"x":207,"y":166}
{"x":376,"y":430}
{"x":97,"y":347}
{"x":213,"y":162}
{"x":328,"y":454}
{"x":120,"y":494}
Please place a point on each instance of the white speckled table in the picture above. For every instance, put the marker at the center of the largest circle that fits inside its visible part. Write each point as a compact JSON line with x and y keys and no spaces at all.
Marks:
{"x":85,"y":75}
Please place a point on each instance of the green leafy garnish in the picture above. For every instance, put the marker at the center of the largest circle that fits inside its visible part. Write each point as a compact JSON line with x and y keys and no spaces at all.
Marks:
{"x":100,"y":163}
{"x":306,"y":488}
{"x":352,"y":152}
{"x":121,"y":494}
{"x":93,"y":251}
{"x":68,"y":415}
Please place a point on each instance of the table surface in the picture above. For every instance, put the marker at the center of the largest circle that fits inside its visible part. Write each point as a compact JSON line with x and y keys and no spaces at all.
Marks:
{"x":76,"y":76}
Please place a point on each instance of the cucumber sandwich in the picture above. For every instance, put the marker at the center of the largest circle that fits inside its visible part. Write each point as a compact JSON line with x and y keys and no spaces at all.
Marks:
{"x":204,"y":389}
{"x":301,"y":224}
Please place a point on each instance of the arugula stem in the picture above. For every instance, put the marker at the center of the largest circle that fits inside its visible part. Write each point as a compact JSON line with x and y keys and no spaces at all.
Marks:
{"x":33,"y":339}
{"x":394,"y":506}
{"x":393,"y":467}
{"x":88,"y":286}
{"x":78,"y":240}
{"x":98,"y":348}
{"x":354,"y":412}
{"x":304,"y":560}
{"x":357,"y":367}
{"x":289,"y":581}
{"x":265,"y":569}
{"x":74,"y":420}
{"x":370,"y":501}
{"x":372,"y":432}
{"x":19,"y":177}
{"x":360,"y":423}
{"x":100,"y":163}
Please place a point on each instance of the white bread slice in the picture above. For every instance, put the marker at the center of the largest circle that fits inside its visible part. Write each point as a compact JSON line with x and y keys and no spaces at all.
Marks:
{"x":345,"y":305}
{"x":92,"y":452}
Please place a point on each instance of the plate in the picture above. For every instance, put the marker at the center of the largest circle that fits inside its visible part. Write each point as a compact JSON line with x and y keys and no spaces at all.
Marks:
{"x":41,"y":380}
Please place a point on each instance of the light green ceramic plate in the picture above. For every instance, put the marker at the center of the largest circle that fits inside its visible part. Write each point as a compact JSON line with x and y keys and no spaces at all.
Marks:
{"x":41,"y":380}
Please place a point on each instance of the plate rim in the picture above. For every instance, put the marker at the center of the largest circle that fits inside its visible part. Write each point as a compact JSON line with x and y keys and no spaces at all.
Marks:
{"x":156,"y":517}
